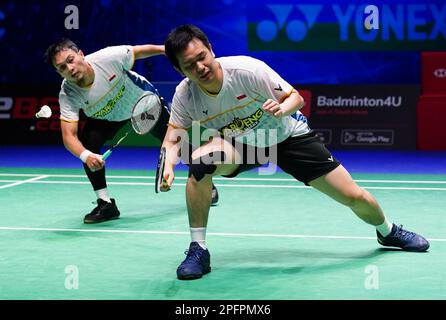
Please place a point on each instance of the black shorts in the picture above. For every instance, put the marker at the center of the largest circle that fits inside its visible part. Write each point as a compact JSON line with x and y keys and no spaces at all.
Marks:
{"x":304,"y":157}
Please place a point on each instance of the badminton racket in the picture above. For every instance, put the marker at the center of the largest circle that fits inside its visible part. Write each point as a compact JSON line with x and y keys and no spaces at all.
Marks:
{"x":145,"y":114}
{"x":160,"y":182}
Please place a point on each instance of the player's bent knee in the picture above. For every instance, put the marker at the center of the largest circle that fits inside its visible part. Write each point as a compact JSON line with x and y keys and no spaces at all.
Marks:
{"x":205,"y":165}
{"x":357,"y":198}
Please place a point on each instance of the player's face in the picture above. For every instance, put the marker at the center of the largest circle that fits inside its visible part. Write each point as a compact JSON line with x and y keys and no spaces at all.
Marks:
{"x":197,"y":62}
{"x":71,"y":65}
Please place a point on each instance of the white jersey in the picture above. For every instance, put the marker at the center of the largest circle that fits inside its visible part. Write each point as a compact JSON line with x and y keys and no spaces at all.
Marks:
{"x":236,"y":111}
{"x":114,"y":91}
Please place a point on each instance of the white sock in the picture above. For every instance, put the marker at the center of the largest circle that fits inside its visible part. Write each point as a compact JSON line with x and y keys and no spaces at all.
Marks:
{"x":385,"y":228}
{"x":103,"y":194}
{"x":198,"y":235}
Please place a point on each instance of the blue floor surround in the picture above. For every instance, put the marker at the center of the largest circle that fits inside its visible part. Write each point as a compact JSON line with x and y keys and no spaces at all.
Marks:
{"x":358,"y":161}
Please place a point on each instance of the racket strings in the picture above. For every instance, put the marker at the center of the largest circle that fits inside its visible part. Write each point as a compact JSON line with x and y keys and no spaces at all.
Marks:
{"x":146,"y":114}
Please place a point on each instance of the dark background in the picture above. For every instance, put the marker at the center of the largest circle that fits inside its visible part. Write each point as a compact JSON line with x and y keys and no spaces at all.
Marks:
{"x":27,"y":27}
{"x":303,"y":41}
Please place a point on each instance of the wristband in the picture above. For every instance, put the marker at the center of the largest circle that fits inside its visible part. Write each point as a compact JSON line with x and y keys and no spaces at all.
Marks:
{"x":84,"y":155}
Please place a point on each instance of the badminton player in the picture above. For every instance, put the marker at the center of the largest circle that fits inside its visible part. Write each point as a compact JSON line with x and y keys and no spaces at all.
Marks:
{"x":104,"y":87}
{"x":242,"y":95}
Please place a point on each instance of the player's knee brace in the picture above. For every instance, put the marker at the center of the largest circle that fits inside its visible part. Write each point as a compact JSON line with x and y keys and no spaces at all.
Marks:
{"x":203,"y":165}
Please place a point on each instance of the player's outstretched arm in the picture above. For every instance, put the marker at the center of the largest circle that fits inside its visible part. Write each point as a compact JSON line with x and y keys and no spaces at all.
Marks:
{"x":147,"y":50}
{"x":172,"y":142}
{"x":71,"y":142}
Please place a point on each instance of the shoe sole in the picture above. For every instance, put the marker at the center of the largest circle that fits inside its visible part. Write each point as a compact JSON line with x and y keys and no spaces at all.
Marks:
{"x":99,"y":221}
{"x":194,"y":276}
{"x":408,"y":250}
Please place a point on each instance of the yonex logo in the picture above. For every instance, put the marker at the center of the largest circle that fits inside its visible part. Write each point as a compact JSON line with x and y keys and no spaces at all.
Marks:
{"x":296,"y":30}
{"x":440,"y":73}
{"x":347,"y":26}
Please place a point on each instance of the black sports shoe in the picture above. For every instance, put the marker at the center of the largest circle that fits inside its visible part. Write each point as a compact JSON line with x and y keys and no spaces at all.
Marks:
{"x":196,"y":264}
{"x":403,"y":239}
{"x":214,"y":195}
{"x":103,"y":212}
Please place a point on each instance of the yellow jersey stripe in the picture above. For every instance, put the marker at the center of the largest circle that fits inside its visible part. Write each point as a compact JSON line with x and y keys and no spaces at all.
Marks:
{"x":69,"y":121}
{"x":176,"y":127}
{"x":287,"y":95}
{"x":229,"y":110}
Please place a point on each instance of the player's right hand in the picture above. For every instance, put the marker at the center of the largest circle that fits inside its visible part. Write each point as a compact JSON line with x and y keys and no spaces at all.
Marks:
{"x":168,"y":177}
{"x":95,"y":162}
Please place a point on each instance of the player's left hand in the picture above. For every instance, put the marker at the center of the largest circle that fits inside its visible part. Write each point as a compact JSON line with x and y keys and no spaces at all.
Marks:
{"x":273,"y":108}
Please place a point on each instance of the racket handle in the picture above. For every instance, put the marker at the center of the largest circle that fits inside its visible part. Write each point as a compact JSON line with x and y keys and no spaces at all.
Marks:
{"x":106,"y":154}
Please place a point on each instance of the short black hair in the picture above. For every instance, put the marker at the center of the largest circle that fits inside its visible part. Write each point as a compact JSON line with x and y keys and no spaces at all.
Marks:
{"x":179,"y":38}
{"x":58,"y":46}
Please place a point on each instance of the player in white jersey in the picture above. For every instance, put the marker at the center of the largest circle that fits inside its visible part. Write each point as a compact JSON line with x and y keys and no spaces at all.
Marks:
{"x":104,"y":87}
{"x":245,"y":101}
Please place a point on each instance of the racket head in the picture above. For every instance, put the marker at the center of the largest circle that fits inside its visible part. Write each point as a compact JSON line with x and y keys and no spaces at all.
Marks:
{"x":160,"y":170}
{"x":146,"y":112}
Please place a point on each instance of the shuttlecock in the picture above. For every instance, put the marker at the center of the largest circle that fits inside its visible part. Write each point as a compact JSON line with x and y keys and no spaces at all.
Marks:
{"x":45,"y":112}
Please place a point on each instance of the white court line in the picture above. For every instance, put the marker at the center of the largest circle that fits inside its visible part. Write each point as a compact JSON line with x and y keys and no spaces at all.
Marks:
{"x":237,"y":185}
{"x":16,"y":183}
{"x":218,"y":234}
{"x":215,"y":178}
